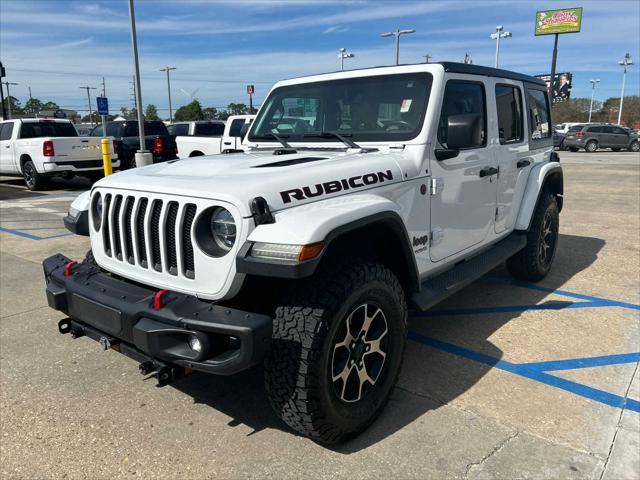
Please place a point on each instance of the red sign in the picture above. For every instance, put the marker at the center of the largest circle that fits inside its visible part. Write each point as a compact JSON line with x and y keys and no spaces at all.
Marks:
{"x":250,"y":89}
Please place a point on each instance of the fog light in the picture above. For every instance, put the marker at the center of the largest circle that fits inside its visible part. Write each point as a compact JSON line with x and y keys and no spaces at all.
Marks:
{"x":195,"y":344}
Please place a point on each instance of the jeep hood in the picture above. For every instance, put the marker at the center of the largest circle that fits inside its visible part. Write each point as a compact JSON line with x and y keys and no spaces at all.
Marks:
{"x":283,"y":180}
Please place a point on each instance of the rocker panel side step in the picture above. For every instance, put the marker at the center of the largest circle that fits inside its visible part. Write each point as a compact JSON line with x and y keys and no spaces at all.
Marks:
{"x":436,"y":289}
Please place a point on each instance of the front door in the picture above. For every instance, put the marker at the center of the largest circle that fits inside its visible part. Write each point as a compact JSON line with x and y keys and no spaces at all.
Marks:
{"x":619,"y":138}
{"x":463,"y":204}
{"x":6,"y":148}
{"x":512,"y":154}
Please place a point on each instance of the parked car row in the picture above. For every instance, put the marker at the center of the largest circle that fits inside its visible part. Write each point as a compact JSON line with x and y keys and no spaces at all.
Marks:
{"x":228,"y":139}
{"x":594,"y":136}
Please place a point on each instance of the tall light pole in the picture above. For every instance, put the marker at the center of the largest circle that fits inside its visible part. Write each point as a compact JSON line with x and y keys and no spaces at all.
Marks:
{"x":427,"y":57}
{"x":9,"y":97}
{"x":89,"y":98}
{"x":397,"y":34}
{"x":343,"y":54}
{"x":142,"y":157}
{"x":625,"y":62}
{"x":593,"y":90}
{"x":499,"y":33}
{"x":168,"y":69}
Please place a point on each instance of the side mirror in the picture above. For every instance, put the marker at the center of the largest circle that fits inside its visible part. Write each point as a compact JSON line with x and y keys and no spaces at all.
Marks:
{"x":463,"y":130}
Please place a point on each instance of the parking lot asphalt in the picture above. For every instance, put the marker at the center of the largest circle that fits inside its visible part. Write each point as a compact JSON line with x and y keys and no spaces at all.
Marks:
{"x":503,"y":380}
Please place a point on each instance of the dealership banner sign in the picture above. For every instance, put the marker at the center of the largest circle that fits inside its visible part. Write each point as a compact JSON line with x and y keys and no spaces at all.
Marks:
{"x":566,"y":20}
{"x":561,"y":86}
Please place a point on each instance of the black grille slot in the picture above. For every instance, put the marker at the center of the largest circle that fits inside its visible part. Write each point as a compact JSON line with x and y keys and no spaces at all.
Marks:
{"x":106,"y":232}
{"x":156,"y":209}
{"x":117,"y":248}
{"x":128,"y":238}
{"x":142,"y":244}
{"x":187,"y":246}
{"x":170,"y":229}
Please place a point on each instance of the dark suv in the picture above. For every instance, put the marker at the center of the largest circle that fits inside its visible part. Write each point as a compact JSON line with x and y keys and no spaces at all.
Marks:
{"x":157,"y":141}
{"x":594,"y":136}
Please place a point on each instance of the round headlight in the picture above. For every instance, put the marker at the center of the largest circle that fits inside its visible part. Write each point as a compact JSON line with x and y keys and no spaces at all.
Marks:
{"x":223,"y":228}
{"x":97,"y":211}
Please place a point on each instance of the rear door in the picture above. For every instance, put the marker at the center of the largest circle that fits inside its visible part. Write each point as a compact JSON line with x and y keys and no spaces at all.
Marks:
{"x":462,"y":210}
{"x":512,"y":153}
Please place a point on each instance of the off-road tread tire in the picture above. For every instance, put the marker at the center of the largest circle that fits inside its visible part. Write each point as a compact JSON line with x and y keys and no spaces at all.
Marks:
{"x":300,"y":327}
{"x":524,"y":264}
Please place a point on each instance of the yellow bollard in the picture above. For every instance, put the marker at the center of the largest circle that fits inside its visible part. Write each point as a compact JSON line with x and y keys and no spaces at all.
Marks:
{"x":106,"y":157}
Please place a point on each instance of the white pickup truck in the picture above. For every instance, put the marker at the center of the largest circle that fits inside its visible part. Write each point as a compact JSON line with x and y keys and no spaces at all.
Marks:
{"x":40,"y":148}
{"x":231,"y":139}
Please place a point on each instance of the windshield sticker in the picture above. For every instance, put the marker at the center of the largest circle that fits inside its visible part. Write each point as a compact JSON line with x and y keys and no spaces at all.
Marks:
{"x":406,"y":105}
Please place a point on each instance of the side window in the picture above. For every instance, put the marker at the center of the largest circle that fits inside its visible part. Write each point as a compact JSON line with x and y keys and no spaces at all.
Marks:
{"x":539,"y":114}
{"x":608,"y":130}
{"x":594,"y":130}
{"x":619,"y":131}
{"x":464,"y":98}
{"x":6,"y":131}
{"x":113,"y":130}
{"x":509,"y":107}
{"x":236,"y":128}
{"x":97,"y":132}
{"x":180,"y":129}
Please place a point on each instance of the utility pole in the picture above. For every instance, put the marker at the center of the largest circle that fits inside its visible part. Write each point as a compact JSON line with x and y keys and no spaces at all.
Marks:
{"x":342,"y":55}
{"x":593,"y":90}
{"x":142,"y":157}
{"x":625,"y":62}
{"x":397,"y":34}
{"x":104,"y":88}
{"x":168,"y":69}
{"x":467,"y":59}
{"x":499,"y":33}
{"x":2,"y":75}
{"x":89,"y":98}
{"x":9,"y":97}
{"x":427,"y":57}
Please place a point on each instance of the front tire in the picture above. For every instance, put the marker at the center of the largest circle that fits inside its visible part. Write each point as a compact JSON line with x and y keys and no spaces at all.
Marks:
{"x":634,"y":147}
{"x":34,"y":180}
{"x":338,"y":343}
{"x":534,"y":261}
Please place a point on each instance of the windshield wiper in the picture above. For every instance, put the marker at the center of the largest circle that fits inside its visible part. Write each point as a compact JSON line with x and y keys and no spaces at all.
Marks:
{"x":349,"y":143}
{"x":274,"y":136}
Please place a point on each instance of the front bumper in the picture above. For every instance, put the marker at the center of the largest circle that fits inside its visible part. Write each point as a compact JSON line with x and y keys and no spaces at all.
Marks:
{"x":122,"y":315}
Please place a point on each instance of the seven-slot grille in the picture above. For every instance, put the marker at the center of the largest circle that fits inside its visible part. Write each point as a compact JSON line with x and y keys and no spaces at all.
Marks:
{"x":149,"y":233}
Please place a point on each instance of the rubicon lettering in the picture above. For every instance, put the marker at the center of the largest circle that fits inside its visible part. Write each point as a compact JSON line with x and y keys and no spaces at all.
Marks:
{"x":334,"y":186}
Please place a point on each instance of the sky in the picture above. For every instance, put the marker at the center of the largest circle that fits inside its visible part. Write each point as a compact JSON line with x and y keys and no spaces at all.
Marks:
{"x":220,"y":46}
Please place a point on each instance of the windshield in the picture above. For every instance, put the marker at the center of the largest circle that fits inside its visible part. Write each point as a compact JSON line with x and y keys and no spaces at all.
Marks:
{"x":47,"y":129}
{"x":375,"y":109}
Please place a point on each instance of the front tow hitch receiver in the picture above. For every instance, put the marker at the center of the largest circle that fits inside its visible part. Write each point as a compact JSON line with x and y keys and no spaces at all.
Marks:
{"x":64,"y":326}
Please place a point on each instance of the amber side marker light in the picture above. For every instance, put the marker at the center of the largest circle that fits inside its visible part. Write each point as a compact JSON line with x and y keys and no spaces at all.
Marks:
{"x":311,"y":251}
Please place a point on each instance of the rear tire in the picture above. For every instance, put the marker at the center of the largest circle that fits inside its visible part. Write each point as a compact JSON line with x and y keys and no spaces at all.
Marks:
{"x":319,"y":371}
{"x":534,"y":261}
{"x":591,"y":146}
{"x":34,"y":180}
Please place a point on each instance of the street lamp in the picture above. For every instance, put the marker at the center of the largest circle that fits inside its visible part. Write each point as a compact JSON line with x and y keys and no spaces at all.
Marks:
{"x":89,"y":98}
{"x":168,"y":69}
{"x":625,"y":62}
{"x":499,"y":33}
{"x":343,"y":54}
{"x":593,"y":90}
{"x":397,"y":34}
{"x":9,"y":96}
{"x":142,"y":156}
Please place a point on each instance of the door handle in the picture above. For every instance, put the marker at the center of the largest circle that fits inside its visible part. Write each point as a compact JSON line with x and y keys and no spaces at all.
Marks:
{"x":227,"y":143}
{"x":488,"y":171}
{"x":523,"y":163}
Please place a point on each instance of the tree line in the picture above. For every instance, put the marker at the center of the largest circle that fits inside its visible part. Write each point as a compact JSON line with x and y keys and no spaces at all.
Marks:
{"x":577,"y":110}
{"x":191,"y":111}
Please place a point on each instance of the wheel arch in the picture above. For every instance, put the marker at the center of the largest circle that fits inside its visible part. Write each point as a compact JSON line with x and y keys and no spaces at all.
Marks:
{"x":548,"y":177}
{"x":24,"y":158}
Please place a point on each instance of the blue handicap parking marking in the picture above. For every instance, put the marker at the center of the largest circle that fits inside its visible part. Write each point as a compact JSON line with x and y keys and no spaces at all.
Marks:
{"x":538,"y":371}
{"x":22,"y":233}
{"x":36,"y":219}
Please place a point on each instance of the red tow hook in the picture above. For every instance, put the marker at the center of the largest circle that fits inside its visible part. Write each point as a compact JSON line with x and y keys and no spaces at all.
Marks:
{"x":158,"y":299}
{"x":68,"y":268}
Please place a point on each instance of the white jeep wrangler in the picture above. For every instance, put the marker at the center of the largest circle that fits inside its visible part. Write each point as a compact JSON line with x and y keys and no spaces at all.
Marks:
{"x":361,"y":194}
